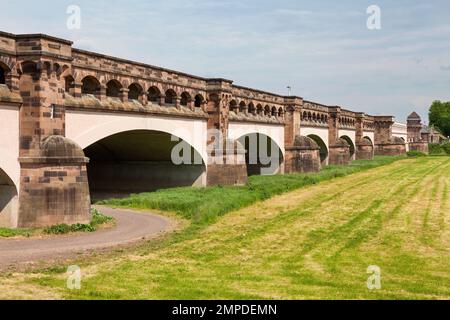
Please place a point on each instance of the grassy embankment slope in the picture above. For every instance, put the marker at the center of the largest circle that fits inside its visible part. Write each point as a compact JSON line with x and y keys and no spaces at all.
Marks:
{"x":314,"y":242}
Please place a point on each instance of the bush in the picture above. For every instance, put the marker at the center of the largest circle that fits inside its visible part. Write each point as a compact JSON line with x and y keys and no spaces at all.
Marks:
{"x":414,"y":154}
{"x":446,"y":147}
{"x":435,"y":149}
{"x":97,"y":219}
{"x":439,"y":149}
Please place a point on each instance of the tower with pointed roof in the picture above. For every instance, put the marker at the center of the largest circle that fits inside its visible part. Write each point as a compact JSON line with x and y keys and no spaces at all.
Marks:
{"x":414,"y":124}
{"x":414,"y":128}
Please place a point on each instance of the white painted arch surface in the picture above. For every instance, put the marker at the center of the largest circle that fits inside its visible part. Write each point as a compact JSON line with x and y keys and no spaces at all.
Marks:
{"x":349,"y":133}
{"x":322,"y":133}
{"x":400,"y":130}
{"x":370,"y":135}
{"x":9,"y":143}
{"x":86,"y":127}
{"x":237,"y":130}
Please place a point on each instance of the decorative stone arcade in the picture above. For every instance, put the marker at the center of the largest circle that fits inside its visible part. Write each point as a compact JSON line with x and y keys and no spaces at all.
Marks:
{"x":58,"y":103}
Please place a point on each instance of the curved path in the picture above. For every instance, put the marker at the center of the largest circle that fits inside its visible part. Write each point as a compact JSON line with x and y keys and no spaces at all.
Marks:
{"x":131,"y":226}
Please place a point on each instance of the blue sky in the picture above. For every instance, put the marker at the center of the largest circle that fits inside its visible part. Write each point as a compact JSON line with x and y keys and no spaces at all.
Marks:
{"x":322,"y":49}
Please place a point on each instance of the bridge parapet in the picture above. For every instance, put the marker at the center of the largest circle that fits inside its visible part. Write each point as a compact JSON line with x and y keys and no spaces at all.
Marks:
{"x":258,"y":96}
{"x":314,"y":114}
{"x":104,"y":64}
{"x":347,"y":119}
{"x":369,"y":123}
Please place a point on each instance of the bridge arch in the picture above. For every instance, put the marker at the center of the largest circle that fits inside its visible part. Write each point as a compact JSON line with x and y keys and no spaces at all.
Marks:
{"x":263,"y":155}
{"x":368,"y":139}
{"x":142,"y":161}
{"x":9,"y":186}
{"x":238,"y":131}
{"x":323,"y":149}
{"x":86,"y":128}
{"x":351,"y":144}
{"x":123,"y":145}
{"x":133,"y":140}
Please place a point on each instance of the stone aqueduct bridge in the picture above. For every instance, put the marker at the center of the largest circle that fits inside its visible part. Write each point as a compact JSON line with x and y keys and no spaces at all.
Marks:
{"x":77,"y":124}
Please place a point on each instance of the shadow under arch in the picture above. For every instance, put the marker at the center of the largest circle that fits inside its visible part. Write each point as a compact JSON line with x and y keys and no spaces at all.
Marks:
{"x":8,"y":200}
{"x":263,"y":155}
{"x":141,"y":161}
{"x":323,"y":151}
{"x":351,"y":144}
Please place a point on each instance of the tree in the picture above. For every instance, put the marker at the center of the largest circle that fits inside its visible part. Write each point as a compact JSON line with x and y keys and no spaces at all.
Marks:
{"x":439,"y":116}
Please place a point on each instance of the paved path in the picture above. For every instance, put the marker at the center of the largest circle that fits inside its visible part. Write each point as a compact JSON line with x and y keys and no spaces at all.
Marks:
{"x":131,"y":226}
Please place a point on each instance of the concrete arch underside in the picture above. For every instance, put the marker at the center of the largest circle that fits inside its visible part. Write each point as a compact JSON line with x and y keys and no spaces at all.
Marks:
{"x":86,"y":128}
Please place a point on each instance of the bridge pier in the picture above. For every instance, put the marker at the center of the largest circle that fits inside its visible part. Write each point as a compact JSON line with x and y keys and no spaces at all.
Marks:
{"x":339,"y":153}
{"x":54,"y":186}
{"x":364,"y":150}
{"x":339,"y":149}
{"x":303,"y":156}
{"x":364,"y":147}
{"x":227,"y":165}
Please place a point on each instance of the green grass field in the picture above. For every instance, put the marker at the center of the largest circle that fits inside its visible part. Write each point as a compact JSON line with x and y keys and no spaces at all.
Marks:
{"x":315,"y":242}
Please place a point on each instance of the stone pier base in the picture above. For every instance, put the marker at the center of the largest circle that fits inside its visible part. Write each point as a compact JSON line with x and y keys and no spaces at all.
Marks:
{"x":364,"y":150}
{"x":303,"y":156}
{"x":339,"y":153}
{"x":395,"y":147}
{"x":54,"y":186}
{"x":227,"y":166}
